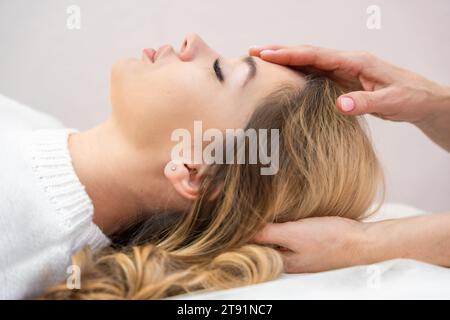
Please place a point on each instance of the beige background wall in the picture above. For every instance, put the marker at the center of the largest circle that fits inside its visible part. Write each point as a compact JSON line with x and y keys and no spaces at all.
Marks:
{"x":66,"y":72}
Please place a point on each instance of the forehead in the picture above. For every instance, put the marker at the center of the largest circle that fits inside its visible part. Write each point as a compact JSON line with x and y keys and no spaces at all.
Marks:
{"x":282,"y":71}
{"x":274,"y":74}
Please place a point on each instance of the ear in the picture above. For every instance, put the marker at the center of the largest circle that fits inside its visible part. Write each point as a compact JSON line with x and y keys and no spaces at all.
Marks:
{"x":185,"y":178}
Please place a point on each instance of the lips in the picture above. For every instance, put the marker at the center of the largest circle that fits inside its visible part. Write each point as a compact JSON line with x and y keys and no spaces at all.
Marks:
{"x":150,"y":53}
{"x":154,"y":55}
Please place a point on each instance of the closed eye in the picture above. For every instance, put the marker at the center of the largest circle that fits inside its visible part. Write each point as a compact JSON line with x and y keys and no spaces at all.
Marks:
{"x":218,"y":70}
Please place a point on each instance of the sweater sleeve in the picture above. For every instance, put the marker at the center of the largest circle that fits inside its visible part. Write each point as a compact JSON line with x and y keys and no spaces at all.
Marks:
{"x":46,"y":215}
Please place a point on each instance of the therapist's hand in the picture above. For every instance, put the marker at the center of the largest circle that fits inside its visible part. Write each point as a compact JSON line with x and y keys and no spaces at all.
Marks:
{"x":376,"y":87}
{"x":316,"y":244}
{"x":326,"y":243}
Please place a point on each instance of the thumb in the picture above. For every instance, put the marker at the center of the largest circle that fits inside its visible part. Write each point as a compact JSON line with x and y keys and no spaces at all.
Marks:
{"x":362,"y":102}
{"x":274,"y":234}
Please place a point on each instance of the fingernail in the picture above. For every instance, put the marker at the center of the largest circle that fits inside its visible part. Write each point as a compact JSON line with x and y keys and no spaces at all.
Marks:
{"x":347,"y":104}
{"x":267,"y":51}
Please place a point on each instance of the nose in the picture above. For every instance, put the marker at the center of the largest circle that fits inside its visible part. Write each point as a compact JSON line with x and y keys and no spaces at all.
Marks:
{"x":193,"y":46}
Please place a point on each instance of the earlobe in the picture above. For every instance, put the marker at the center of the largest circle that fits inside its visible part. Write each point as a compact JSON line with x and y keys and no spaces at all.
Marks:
{"x":185,"y":178}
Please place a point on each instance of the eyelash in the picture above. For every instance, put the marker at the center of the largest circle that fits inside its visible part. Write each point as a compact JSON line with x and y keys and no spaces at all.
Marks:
{"x":218,"y":70}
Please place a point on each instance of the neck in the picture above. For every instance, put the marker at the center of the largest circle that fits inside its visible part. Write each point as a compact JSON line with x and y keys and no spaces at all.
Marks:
{"x":112,"y":172}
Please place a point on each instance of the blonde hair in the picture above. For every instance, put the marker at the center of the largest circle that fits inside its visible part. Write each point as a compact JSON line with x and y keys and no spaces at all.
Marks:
{"x":327,"y":167}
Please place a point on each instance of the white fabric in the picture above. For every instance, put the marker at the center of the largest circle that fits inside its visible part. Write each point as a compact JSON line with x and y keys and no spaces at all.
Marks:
{"x":45,"y":212}
{"x":394,"y":279}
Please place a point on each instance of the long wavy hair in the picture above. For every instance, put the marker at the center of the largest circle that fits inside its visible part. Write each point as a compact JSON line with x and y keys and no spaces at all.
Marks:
{"x":327,"y":167}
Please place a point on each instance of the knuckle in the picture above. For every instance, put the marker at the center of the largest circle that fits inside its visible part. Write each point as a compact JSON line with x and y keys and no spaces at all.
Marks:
{"x":365,"y":55}
{"x":365,"y":104}
{"x":260,"y":236}
{"x":266,"y":233}
{"x":311,"y":50}
{"x":362,"y":102}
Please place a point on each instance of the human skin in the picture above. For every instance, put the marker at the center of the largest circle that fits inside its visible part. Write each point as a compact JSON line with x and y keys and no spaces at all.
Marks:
{"x":121,"y":161}
{"x":326,"y":243}
{"x":392,"y":93}
{"x":377,"y":87}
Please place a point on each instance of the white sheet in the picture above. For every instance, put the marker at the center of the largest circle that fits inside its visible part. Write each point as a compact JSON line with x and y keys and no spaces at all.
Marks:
{"x":394,"y":279}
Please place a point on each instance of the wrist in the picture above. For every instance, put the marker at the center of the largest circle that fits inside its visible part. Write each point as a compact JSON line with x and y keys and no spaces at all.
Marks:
{"x":435,"y":122}
{"x":443,"y":102}
{"x":439,"y":101}
{"x":374,"y":244}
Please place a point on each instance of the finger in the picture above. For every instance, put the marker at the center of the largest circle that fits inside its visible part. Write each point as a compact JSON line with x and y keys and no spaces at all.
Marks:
{"x":382,"y":102}
{"x":320,"y":58}
{"x":275,"y":234}
{"x":255,"y":50}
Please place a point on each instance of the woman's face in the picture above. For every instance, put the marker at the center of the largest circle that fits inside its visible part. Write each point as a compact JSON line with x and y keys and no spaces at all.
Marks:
{"x":168,"y":90}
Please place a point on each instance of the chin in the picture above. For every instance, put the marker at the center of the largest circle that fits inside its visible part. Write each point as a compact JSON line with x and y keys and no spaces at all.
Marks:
{"x":126,"y":65}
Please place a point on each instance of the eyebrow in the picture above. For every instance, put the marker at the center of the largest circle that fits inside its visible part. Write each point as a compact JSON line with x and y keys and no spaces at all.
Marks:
{"x":250,"y":61}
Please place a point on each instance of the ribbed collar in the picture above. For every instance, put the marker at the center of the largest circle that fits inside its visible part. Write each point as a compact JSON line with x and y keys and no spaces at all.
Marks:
{"x":52,"y":164}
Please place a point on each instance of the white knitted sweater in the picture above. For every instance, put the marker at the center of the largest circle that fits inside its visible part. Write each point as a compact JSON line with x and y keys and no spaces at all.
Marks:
{"x":45,"y":212}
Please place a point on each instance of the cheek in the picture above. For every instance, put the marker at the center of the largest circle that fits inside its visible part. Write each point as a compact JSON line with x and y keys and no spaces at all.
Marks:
{"x":185,"y":94}
{"x":140,"y":92}
{"x":135,"y":99}
{"x":170,"y":97}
